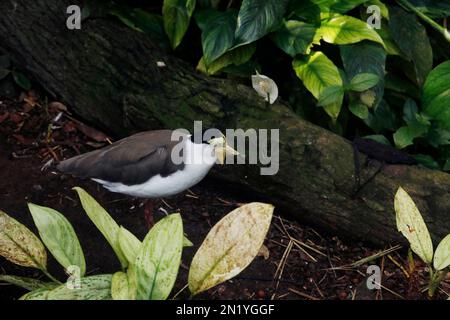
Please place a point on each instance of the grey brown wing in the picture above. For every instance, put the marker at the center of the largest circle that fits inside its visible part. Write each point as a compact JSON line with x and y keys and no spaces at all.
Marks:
{"x":129,"y":161}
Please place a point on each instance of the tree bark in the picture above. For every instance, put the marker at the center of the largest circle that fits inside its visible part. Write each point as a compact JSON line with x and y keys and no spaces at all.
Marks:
{"x":107,"y":73}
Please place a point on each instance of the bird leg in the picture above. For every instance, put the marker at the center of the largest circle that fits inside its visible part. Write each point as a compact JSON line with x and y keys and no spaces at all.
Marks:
{"x":148,"y":212}
{"x":357,"y":166}
{"x":357,"y":187}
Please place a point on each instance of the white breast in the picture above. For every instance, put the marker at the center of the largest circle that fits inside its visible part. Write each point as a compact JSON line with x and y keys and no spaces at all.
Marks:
{"x":198,"y":159}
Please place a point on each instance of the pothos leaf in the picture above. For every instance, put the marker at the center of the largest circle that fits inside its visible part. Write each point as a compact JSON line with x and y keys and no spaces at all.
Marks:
{"x":59,"y":237}
{"x":436,"y":94}
{"x":317,"y":73}
{"x":96,"y":287}
{"x":27,"y":283}
{"x":236,"y":56}
{"x":442,"y":254}
{"x":103,"y":221}
{"x":120,"y":287}
{"x":295,"y":37}
{"x":157,"y":263}
{"x":411,"y":37}
{"x":363,"y":81}
{"x":129,"y":244}
{"x":405,"y":136}
{"x":230,"y":246}
{"x":218,"y":35}
{"x":331,"y":94}
{"x":19,"y":245}
{"x":410,"y":223}
{"x":346,"y":30}
{"x":258,"y":18}
{"x":366,"y":58}
{"x":177,"y":15}
{"x":359,"y":109}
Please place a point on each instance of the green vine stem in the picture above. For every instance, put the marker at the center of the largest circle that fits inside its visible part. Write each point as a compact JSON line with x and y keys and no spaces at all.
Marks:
{"x":424,"y":17}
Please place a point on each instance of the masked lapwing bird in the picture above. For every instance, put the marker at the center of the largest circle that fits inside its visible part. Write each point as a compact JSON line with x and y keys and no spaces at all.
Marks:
{"x":151,"y":164}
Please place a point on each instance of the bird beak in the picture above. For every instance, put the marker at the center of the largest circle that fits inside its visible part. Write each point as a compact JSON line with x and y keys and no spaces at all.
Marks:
{"x":222,"y":149}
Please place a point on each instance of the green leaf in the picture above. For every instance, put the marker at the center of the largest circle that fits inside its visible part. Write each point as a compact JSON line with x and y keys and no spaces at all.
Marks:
{"x":187,"y":242}
{"x":177,"y":14}
{"x":132,"y":282}
{"x":157,"y":263}
{"x":437,"y":137}
{"x":305,"y":9}
{"x":405,"y":136}
{"x":346,"y":30}
{"x":235,"y":57}
{"x":410,"y":223}
{"x":383,"y":118}
{"x":411,"y":37}
{"x":401,"y":85}
{"x":58,"y":236}
{"x":230,"y":246}
{"x":427,"y":161}
{"x":436,"y":95}
{"x":363,"y":81}
{"x":410,"y":110}
{"x":21,"y":80}
{"x":19,"y":245}
{"x":208,"y":3}
{"x":359,"y":109}
{"x":38,"y":294}
{"x":366,"y":57}
{"x":125,"y":18}
{"x":119,"y":286}
{"x":218,"y":35}
{"x":143,"y":21}
{"x":317,"y":73}
{"x":442,"y":254}
{"x":332,"y":94}
{"x":129,"y":244}
{"x":27,"y":283}
{"x":91,"y":288}
{"x":295,"y":37}
{"x":245,"y":70}
{"x":103,"y":221}
{"x":258,"y":18}
{"x":379,"y":138}
{"x":339,"y":6}
{"x":96,"y":287}
{"x":417,"y":126}
{"x":205,"y":16}
{"x":389,"y":43}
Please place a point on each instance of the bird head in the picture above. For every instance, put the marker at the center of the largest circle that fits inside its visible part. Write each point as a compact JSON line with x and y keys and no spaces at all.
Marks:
{"x":222,"y":149}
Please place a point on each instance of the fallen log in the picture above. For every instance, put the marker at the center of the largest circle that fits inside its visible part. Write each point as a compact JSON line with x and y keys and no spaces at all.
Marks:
{"x":108,"y":75}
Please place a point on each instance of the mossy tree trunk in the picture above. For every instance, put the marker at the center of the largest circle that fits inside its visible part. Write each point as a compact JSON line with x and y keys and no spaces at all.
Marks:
{"x":107,"y":74}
